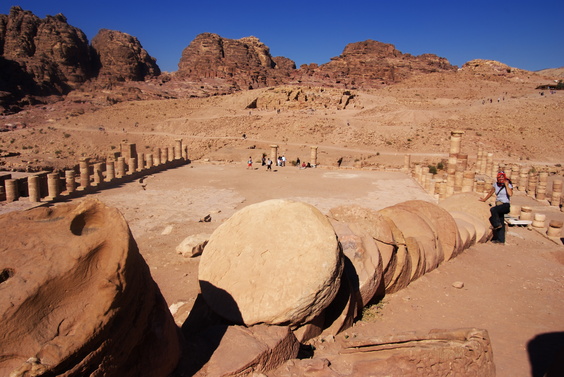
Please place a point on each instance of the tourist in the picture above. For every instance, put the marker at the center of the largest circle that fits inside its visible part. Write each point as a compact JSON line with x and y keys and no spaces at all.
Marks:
{"x":269,"y":165}
{"x":503,"y":190}
{"x":250,"y":163}
{"x":298,"y":162}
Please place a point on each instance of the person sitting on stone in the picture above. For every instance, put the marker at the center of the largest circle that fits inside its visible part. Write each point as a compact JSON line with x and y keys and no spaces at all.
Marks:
{"x":503,"y":190}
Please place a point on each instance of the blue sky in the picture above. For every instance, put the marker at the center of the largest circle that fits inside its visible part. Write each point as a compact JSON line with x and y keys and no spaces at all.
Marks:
{"x":522,"y":34}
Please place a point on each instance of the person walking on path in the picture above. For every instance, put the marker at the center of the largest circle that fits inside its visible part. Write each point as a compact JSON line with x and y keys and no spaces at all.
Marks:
{"x":269,"y":165}
{"x":503,"y":190}
{"x":250,"y":163}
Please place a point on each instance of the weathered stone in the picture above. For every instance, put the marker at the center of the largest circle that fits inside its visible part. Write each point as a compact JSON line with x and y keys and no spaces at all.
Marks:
{"x":77,"y":295}
{"x":470,"y":203}
{"x":463,"y":352}
{"x":466,"y":230}
{"x":442,"y":224}
{"x":365,"y":258}
{"x":274,"y":262}
{"x":346,"y":306}
{"x":413,"y":225}
{"x":193,"y":245}
{"x":480,"y":233}
{"x":364,"y":221}
{"x":240,"y":351}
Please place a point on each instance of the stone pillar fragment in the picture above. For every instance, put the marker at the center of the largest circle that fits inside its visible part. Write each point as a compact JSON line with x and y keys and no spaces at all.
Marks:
{"x":274,"y":153}
{"x":131,"y":166}
{"x":98,"y":177}
{"x":110,"y":170}
{"x":149,"y":161}
{"x":313,"y":156}
{"x":455,"y":141}
{"x":555,"y":228}
{"x":556,"y":195}
{"x":178,"y":149}
{"x":53,"y":185}
{"x":12,"y":193}
{"x":140,"y":162}
{"x":33,"y":188}
{"x":70,"y":181}
{"x":121,"y":167}
{"x":407,"y":163}
{"x":84,"y":173}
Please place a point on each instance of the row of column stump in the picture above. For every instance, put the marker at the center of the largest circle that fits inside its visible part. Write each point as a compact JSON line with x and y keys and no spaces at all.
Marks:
{"x":92,"y":174}
{"x":459,"y":178}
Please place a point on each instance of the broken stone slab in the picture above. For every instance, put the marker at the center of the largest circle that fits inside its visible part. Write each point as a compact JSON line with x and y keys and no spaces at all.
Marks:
{"x":240,"y":351}
{"x":461,"y":352}
{"x":193,"y":245}
{"x":274,"y":262}
{"x":78,"y":296}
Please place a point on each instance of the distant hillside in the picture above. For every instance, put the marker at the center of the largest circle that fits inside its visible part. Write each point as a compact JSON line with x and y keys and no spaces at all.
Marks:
{"x":552,"y":72}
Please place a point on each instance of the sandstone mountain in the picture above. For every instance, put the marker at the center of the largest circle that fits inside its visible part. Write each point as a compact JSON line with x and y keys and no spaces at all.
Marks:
{"x":237,"y":64}
{"x":43,"y":57}
{"x":370,"y":64}
{"x":122,"y":58}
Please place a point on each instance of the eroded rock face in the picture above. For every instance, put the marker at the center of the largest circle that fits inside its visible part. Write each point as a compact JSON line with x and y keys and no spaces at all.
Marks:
{"x":77,"y":298}
{"x":274,"y":262}
{"x":243,"y":63}
{"x":53,"y":53}
{"x":370,"y":64}
{"x":122,"y":58}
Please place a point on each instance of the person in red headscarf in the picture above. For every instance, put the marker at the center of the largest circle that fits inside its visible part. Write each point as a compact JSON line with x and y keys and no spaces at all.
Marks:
{"x":503,"y":190}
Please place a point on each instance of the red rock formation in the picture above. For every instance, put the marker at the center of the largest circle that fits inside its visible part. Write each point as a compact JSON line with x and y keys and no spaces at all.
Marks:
{"x":50,"y":50}
{"x":370,"y":64}
{"x":40,"y":57}
{"x":245,"y":63}
{"x":122,"y":58}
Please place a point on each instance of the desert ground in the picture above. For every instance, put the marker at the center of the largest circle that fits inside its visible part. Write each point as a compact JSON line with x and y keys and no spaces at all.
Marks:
{"x":514,"y":291}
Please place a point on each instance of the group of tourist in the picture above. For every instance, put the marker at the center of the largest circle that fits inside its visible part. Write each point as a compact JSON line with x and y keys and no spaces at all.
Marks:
{"x":281,"y":161}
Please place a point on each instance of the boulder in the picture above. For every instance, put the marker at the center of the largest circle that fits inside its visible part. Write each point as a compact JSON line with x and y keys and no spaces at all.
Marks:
{"x":274,"y":262}
{"x":193,"y":245}
{"x":77,"y":297}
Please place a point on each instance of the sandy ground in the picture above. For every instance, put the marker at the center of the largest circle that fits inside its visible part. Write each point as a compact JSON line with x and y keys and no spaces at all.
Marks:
{"x":514,"y":291}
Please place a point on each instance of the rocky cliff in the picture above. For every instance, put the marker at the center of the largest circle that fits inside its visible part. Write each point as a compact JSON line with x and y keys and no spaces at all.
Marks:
{"x":236,"y":64}
{"x":122,"y":58}
{"x":42,"y":57}
{"x":371,"y":64}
